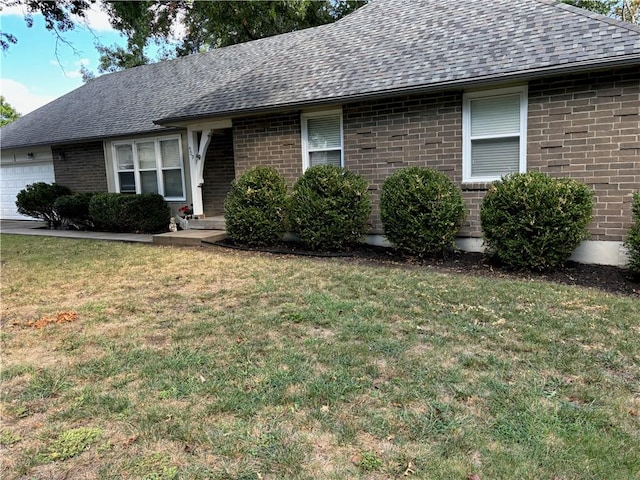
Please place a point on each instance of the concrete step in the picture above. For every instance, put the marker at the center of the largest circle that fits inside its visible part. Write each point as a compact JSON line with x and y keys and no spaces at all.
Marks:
{"x":212,"y":223}
{"x":191,"y":238}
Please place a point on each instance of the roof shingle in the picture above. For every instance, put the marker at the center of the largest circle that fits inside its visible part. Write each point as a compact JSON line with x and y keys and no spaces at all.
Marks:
{"x":386,"y":47}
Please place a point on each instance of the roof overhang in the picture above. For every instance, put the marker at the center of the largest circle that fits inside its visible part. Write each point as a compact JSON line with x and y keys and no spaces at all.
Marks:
{"x":508,"y":77}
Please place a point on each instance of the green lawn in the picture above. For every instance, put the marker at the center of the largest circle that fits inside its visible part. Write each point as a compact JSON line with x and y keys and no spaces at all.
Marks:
{"x":212,"y":363}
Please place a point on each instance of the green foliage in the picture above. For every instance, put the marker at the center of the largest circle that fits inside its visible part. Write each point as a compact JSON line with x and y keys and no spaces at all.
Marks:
{"x":329,"y":207}
{"x":7,"y":113}
{"x":421,"y":210}
{"x":74,"y":209}
{"x":369,"y":461}
{"x":121,"y":212}
{"x":632,"y":241}
{"x":38,"y":201}
{"x":533,"y":221}
{"x":255,"y":207}
{"x":72,"y":442}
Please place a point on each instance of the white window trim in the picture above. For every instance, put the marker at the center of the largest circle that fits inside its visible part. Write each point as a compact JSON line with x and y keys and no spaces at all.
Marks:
{"x":159,"y":168}
{"x":466,"y":130}
{"x":306,"y":162}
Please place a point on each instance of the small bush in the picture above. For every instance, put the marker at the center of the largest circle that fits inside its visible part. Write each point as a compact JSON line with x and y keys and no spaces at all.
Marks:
{"x":421,"y":210}
{"x":121,"y":212}
{"x":329,"y":207}
{"x":74,"y":209}
{"x":147,"y":213}
{"x":632,"y":241}
{"x":106,"y":212}
{"x":38,"y":201}
{"x":533,"y":221}
{"x":255,"y":207}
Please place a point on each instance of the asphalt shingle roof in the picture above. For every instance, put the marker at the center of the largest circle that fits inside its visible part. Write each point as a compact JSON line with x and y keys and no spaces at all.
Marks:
{"x":386,"y":47}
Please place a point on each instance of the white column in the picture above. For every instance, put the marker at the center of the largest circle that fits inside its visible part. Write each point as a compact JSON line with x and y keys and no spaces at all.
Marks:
{"x":197,"y":154}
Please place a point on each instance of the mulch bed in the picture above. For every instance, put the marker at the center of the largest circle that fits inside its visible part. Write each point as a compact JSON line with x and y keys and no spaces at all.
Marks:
{"x":607,"y":278}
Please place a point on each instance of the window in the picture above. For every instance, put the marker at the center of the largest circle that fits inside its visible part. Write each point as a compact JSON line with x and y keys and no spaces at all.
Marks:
{"x":150,"y":166}
{"x":322,"y":138}
{"x":494,"y":133}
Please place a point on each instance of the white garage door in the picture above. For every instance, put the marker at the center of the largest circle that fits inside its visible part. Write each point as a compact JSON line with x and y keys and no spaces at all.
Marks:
{"x":14,"y":178}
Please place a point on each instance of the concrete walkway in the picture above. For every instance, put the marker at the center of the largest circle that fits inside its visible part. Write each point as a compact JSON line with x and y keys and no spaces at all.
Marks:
{"x":37,"y":228}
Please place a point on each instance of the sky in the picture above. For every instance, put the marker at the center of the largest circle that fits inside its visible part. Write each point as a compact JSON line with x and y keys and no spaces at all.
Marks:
{"x":39,"y":69}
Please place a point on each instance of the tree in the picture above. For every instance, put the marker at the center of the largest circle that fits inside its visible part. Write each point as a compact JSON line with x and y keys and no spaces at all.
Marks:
{"x":220,"y":24}
{"x":207,"y":24}
{"x":58,"y":15}
{"x":7,"y":113}
{"x":626,"y":10}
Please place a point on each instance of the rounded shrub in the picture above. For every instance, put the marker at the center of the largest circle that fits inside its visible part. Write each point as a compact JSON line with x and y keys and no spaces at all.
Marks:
{"x":106,"y":212}
{"x":38,"y":201}
{"x":146,"y":213}
{"x":74,"y":209}
{"x":532,"y":221}
{"x":329,"y":208}
{"x":123,"y":212}
{"x":632,"y":242}
{"x":421,"y":210}
{"x":255,"y":207}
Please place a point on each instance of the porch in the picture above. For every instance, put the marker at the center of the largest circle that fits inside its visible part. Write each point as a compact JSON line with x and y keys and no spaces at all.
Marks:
{"x":195,"y":232}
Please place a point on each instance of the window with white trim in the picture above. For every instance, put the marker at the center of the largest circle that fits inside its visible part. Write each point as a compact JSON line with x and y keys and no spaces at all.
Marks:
{"x":322,"y":138}
{"x":150,"y":165}
{"x":494,"y":134}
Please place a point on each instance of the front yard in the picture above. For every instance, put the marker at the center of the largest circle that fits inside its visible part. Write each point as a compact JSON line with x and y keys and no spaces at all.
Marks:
{"x":137,"y":361}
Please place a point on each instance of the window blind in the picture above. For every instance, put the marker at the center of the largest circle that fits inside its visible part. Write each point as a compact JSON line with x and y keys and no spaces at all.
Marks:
{"x":170,"y":152}
{"x":323,"y":132}
{"x":146,"y":155}
{"x":124,"y":157}
{"x":495,"y":115}
{"x":494,"y":158}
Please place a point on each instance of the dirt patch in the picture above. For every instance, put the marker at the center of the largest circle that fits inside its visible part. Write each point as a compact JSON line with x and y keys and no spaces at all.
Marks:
{"x":607,"y":278}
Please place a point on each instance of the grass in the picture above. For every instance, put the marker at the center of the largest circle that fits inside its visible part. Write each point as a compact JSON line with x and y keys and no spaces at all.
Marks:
{"x":217,"y":364}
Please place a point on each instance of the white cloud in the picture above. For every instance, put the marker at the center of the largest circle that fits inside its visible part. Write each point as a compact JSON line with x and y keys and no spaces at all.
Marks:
{"x":95,"y":18}
{"x":20,"y":98}
{"x":76,"y":72}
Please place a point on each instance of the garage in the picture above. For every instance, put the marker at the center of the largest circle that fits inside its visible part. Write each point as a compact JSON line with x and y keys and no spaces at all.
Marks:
{"x":15,"y":177}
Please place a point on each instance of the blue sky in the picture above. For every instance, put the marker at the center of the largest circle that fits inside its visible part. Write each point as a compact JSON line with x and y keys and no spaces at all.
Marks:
{"x":39,"y":68}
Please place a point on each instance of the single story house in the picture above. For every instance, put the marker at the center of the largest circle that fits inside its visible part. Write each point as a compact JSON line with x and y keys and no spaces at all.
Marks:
{"x":475,"y":89}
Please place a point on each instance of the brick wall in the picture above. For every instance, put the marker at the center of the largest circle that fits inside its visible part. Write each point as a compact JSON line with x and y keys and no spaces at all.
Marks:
{"x":218,"y":172}
{"x":588,"y":127}
{"x":382,"y":136}
{"x":81,"y":167}
{"x":273,"y":140}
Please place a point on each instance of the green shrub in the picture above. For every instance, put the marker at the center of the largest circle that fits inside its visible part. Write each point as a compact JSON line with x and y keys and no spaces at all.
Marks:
{"x":533,"y":221}
{"x":255,"y":207}
{"x":38,"y":201}
{"x":105,"y":210}
{"x":632,"y":241}
{"x":74,"y":209}
{"x":122,"y":212}
{"x":421,"y":210}
{"x":147,"y":213}
{"x":329,"y":207}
